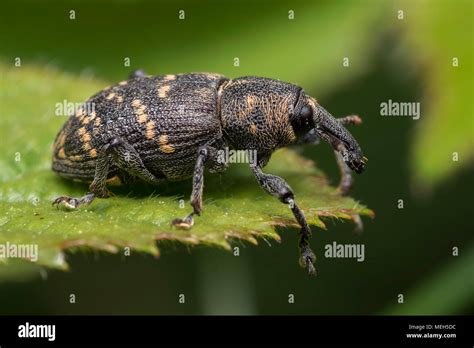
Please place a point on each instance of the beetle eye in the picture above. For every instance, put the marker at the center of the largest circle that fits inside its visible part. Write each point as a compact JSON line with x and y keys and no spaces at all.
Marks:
{"x":306,"y":115}
{"x":303,"y":122}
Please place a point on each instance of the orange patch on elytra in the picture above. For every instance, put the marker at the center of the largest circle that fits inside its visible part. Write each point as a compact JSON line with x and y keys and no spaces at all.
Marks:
{"x":61,"y":140}
{"x":150,"y":130}
{"x":163,"y":91}
{"x":136,"y":103}
{"x":86,"y":146}
{"x":253,"y":128}
{"x":167,"y":148}
{"x":81,"y":131}
{"x":142,"y":118}
{"x":164,"y":146}
{"x":75,"y":158}
{"x":93,"y":153}
{"x":61,"y":153}
{"x":86,"y":137}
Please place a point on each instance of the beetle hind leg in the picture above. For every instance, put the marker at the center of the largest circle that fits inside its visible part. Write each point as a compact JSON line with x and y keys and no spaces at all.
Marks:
{"x":196,"y":195}
{"x":119,"y":153}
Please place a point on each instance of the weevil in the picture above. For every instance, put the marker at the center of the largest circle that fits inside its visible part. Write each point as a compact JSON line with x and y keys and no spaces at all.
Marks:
{"x":172,"y":127}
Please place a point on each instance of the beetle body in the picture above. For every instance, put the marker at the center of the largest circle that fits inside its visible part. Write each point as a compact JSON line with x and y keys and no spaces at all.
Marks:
{"x":165,"y":118}
{"x":171,"y":127}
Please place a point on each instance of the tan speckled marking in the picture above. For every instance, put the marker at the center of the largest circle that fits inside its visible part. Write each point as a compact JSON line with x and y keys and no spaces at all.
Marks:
{"x":119,"y":99}
{"x":110,"y":96}
{"x":136,"y":103}
{"x":81,"y":131}
{"x":142,"y":117}
{"x":164,"y":146}
{"x":167,"y":148}
{"x":76,"y":158}
{"x":251,"y":102}
{"x":123,"y":83}
{"x":163,"y":139}
{"x":150,"y":130}
{"x":253,"y":128}
{"x":170,"y":77}
{"x":61,"y":153}
{"x":86,"y":137}
{"x":86,"y":146}
{"x":163,"y":91}
{"x":97,"y":122}
{"x":114,"y":181}
{"x":93,"y":153}
{"x":61,"y":139}
{"x":80,"y":113}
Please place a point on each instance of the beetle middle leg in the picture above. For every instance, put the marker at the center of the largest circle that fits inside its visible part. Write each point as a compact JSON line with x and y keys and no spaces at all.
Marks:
{"x":278,"y":187}
{"x":196,"y":195}
{"x":119,"y":153}
{"x":347,"y":180}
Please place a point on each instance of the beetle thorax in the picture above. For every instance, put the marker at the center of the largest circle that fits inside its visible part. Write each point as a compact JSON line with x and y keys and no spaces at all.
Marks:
{"x":255,"y":113}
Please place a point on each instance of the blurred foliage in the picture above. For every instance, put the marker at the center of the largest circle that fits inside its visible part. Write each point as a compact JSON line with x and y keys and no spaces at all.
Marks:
{"x":259,"y":33}
{"x":439,"y":33}
{"x":448,"y":291}
{"x":232,"y":208}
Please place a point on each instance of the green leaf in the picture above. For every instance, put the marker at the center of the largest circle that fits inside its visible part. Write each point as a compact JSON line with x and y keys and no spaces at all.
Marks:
{"x":437,"y":33}
{"x":137,"y":216}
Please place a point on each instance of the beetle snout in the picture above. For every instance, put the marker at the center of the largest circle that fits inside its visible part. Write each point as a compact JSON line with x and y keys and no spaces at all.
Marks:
{"x":354,"y":159}
{"x":333,"y":132}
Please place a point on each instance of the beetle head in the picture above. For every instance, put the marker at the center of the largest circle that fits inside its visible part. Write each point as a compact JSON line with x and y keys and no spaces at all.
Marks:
{"x":308,"y":116}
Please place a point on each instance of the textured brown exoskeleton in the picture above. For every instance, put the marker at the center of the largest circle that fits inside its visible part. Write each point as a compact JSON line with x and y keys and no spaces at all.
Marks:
{"x":171,"y":127}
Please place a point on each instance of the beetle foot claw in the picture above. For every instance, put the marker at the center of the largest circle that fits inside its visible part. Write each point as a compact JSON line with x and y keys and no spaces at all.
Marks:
{"x":185,"y":223}
{"x":307,"y":259}
{"x":73,"y":203}
{"x":68,"y":202}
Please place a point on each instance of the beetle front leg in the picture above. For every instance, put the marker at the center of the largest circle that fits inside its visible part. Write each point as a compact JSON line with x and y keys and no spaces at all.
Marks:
{"x":347,"y":180}
{"x":196,"y":195}
{"x":278,"y":187}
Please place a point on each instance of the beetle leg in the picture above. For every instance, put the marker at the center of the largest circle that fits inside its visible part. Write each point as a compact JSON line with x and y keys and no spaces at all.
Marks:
{"x":347,"y":180}
{"x":350,"y":119}
{"x":137,"y":73}
{"x":277,"y":187}
{"x":73,"y":203}
{"x":196,"y":195}
{"x":122,"y":155}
